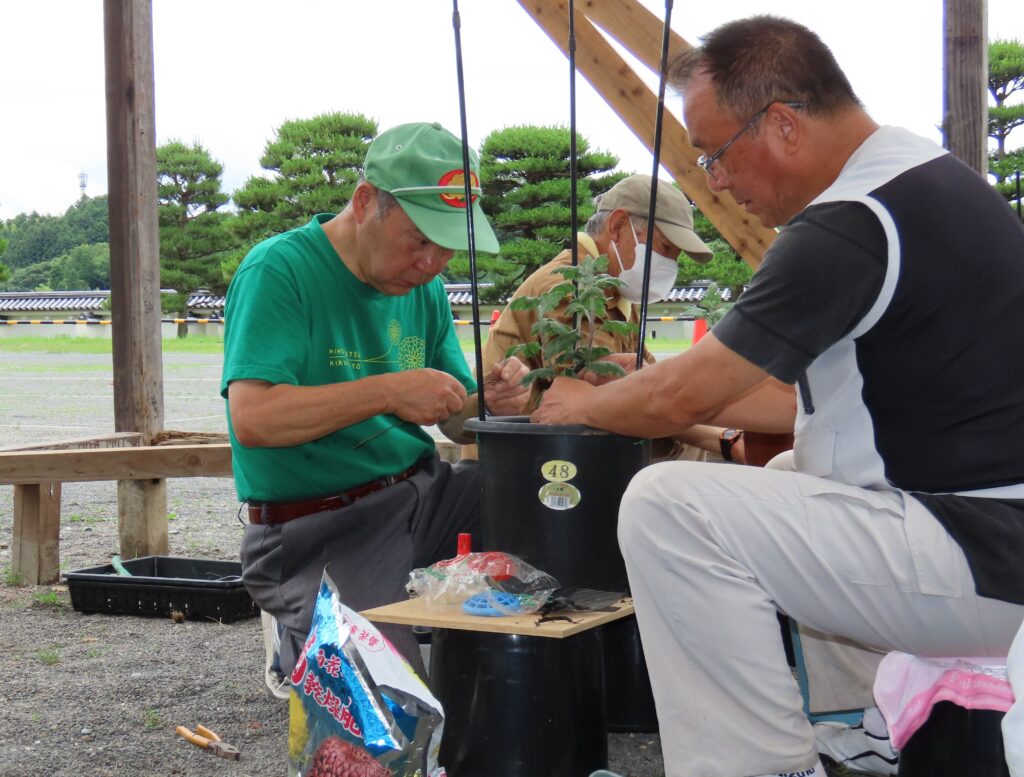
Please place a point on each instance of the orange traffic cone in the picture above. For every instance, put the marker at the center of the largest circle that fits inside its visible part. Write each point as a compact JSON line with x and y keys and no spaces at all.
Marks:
{"x":700,"y":328}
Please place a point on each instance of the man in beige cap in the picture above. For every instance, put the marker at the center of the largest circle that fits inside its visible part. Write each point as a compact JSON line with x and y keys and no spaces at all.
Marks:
{"x":616,"y":230}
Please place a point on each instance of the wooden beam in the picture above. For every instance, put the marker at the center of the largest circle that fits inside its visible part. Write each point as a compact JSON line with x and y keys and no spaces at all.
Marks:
{"x":134,"y":259}
{"x":119,"y":440}
{"x":143,"y":463}
{"x":635,"y":27}
{"x":640,"y":31}
{"x":35,"y":544}
{"x":36,"y":533}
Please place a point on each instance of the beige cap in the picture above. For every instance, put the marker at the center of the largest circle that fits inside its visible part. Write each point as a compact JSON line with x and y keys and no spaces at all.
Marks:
{"x":672,"y":213}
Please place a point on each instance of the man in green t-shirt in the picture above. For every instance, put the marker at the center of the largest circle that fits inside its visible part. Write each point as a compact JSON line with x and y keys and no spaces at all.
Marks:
{"x":339,"y":346}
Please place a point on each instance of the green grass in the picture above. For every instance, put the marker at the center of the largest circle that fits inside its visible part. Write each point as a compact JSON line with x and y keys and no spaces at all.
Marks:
{"x":207,"y":344}
{"x":151,"y":718}
{"x":48,"y":656}
{"x":89,"y":345}
{"x":50,"y":599}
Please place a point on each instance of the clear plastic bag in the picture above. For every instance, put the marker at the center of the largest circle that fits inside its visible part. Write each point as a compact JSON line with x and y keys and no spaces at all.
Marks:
{"x":489,"y":583}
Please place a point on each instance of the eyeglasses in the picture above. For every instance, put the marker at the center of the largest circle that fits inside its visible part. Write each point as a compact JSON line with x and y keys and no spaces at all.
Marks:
{"x":707,"y":163}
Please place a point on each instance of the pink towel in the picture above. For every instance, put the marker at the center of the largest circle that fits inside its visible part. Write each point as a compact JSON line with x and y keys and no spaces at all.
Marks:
{"x":907,"y":687}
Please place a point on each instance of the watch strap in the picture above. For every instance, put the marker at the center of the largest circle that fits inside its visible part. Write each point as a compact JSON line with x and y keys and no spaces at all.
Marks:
{"x":726,"y":440}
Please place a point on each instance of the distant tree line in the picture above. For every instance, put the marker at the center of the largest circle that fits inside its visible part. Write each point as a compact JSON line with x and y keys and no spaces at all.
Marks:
{"x":312,"y":166}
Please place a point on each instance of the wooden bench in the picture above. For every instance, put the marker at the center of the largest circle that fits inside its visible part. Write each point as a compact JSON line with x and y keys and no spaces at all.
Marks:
{"x":37,"y":472}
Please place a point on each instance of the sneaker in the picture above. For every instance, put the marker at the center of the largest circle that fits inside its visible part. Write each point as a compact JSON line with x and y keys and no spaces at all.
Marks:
{"x":862,"y":749}
{"x":278,"y":686}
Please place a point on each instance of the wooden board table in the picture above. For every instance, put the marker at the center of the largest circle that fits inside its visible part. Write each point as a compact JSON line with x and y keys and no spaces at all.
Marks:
{"x":415,"y":612}
{"x":514,"y":706}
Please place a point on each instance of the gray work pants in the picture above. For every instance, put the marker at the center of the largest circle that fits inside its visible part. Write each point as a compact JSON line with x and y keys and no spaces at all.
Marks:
{"x":371,"y":547}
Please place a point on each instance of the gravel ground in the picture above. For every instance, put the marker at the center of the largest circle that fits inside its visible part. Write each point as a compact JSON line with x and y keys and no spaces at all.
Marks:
{"x":99,"y":696}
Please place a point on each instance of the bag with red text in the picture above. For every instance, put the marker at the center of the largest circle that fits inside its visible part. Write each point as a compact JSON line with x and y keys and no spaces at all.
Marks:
{"x":357,"y":709}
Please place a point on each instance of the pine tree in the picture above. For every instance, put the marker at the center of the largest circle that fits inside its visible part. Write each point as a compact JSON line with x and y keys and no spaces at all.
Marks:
{"x":526,"y":194}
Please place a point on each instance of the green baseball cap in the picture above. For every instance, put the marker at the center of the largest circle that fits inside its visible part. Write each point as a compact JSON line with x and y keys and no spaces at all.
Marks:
{"x":421,"y":165}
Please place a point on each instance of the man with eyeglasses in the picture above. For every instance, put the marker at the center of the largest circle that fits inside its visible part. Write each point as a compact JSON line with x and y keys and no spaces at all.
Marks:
{"x":902,"y":524}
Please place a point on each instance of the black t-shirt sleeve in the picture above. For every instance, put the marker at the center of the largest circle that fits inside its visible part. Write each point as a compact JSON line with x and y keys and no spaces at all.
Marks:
{"x":817,"y":281}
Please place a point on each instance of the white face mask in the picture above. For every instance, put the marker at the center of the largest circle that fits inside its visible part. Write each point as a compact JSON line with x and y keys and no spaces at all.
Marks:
{"x":663,"y":273}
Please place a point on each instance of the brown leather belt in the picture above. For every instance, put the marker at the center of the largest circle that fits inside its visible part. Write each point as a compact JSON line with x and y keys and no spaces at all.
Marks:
{"x":282,"y":512}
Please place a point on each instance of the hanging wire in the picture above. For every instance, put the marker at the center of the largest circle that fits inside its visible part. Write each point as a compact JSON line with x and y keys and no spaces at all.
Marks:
{"x":468,"y":176}
{"x":573,"y":205}
{"x":663,"y":75}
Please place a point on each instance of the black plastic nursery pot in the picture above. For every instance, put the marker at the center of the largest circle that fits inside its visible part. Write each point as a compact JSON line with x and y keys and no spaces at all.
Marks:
{"x":519,"y":706}
{"x":551,"y":496}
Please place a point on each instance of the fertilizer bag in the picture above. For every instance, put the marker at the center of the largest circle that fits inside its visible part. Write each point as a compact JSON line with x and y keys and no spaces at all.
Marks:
{"x":357,"y":709}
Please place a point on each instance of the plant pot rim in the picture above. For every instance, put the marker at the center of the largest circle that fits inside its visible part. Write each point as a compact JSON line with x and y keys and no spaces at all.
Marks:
{"x":520,"y":424}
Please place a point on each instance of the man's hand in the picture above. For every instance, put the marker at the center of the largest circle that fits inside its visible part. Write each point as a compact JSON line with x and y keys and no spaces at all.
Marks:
{"x":563,"y":403}
{"x":505,"y":393}
{"x":625,"y":360}
{"x":426,"y":396}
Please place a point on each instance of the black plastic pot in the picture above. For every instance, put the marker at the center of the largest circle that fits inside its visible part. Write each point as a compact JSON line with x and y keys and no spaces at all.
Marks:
{"x":956,"y":742}
{"x":551,"y":496}
{"x":519,"y":706}
{"x":630,"y":701}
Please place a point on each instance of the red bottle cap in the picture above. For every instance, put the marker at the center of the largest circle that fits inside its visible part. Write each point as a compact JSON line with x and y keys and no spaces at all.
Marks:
{"x":465,"y":546}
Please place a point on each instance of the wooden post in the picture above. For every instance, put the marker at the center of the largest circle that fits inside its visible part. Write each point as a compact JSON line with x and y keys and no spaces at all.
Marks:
{"x":965,"y":82}
{"x":134,"y":261}
{"x":35,"y":544}
{"x":639,"y":30}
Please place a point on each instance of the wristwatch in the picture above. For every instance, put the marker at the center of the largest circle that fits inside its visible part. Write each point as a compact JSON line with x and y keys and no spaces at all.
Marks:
{"x":727,"y":439}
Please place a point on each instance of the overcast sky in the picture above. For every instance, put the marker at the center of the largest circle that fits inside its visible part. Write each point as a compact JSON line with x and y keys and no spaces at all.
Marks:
{"x":229,"y":72}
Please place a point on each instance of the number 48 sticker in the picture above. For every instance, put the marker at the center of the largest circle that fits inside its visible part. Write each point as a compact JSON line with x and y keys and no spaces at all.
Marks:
{"x":558,"y":471}
{"x":557,"y":493}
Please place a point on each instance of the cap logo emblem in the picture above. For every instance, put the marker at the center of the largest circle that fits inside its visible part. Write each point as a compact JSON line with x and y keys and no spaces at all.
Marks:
{"x":457,"y":178}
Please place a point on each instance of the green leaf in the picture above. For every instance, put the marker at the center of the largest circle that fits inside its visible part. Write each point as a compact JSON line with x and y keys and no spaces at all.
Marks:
{"x":542,"y":373}
{"x":595,"y":353}
{"x":525,"y":303}
{"x":526,"y":350}
{"x":550,"y":300}
{"x":620,"y":327}
{"x":547,"y":328}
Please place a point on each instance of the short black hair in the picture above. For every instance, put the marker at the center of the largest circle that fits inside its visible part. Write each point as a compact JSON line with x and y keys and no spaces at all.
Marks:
{"x":763,"y":59}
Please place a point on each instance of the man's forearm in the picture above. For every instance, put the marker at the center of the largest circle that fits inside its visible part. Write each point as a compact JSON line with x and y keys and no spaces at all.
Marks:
{"x":283,"y":415}
{"x":768,"y":407}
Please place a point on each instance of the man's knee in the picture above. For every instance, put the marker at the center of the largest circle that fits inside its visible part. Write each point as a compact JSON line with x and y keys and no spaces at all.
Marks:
{"x":646,"y":500}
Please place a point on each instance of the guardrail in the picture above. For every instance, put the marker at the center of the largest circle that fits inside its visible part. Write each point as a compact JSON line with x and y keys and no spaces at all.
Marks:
{"x":107,"y":322}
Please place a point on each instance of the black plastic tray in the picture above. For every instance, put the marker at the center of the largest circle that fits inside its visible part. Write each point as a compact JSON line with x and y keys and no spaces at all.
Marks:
{"x":161,"y":585}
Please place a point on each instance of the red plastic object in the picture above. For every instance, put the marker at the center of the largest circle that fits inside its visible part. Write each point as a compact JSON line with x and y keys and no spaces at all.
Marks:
{"x":700,"y":328}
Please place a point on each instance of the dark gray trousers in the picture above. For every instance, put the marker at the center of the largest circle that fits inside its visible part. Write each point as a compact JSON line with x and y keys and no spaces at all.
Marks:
{"x":371,"y":546}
